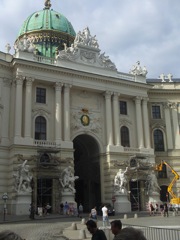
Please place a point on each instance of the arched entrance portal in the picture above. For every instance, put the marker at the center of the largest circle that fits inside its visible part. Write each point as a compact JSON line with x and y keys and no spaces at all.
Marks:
{"x":87,"y":167}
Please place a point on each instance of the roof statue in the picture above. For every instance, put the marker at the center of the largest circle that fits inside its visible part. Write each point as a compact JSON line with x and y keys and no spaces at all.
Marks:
{"x":137,"y":70}
{"x":85,"y":49}
{"x":170,"y":76}
{"x":25,"y":45}
{"x":162,"y":77}
{"x":47,"y":4}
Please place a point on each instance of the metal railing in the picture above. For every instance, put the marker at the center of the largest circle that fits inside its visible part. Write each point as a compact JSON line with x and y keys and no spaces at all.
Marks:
{"x":153,"y":233}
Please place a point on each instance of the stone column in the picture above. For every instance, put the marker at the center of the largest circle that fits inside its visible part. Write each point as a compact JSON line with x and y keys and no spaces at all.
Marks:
{"x":168,"y":126}
{"x":139,"y":124}
{"x":1,"y":88}
{"x":174,"y":108}
{"x":109,"y":133}
{"x":146,"y":123}
{"x":18,"y":107}
{"x":5,"y":110}
{"x":116,"y":114}
{"x":67,"y":112}
{"x":58,"y":111}
{"x":28,"y":108}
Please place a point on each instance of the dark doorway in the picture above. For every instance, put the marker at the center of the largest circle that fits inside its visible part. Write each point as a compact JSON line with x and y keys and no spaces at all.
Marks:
{"x":164,"y":195}
{"x":44,"y":192}
{"x":87,"y":167}
{"x":135,"y":197}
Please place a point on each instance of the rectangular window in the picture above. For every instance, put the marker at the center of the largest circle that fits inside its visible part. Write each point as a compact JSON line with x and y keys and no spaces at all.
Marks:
{"x":40,"y":95}
{"x":156,"y":112}
{"x":123,"y":107}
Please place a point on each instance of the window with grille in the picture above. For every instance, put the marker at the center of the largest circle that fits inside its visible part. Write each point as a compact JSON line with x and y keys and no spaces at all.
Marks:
{"x":156,"y":112}
{"x":158,"y":140}
{"x":40,"y":128}
{"x":40,"y":95}
{"x":125,"y":142}
{"x":123,"y":107}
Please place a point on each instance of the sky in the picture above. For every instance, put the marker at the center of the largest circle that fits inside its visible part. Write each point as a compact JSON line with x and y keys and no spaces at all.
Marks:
{"x":127,"y":30}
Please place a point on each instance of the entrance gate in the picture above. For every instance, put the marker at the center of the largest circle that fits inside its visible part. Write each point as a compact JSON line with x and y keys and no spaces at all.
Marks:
{"x":44,"y":192}
{"x":87,"y":167}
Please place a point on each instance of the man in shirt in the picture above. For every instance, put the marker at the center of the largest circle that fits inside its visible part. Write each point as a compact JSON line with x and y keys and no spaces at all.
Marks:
{"x":116,"y":227}
{"x":96,"y":233}
{"x":105,"y":217}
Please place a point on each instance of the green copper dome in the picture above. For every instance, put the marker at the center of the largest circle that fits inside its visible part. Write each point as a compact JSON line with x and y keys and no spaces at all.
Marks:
{"x":48,"y":30}
{"x":47,"y":19}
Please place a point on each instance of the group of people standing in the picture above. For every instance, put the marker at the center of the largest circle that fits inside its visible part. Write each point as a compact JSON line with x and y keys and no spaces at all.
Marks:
{"x":155,"y":209}
{"x":105,"y":218}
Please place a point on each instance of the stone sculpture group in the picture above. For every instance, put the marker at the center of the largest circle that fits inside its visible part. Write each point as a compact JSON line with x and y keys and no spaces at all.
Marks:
{"x":67,"y":180}
{"x":23,"y":178}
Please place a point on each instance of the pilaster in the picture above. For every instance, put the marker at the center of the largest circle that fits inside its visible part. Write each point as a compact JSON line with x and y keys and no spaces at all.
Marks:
{"x":139,"y":124}
{"x":168,"y":126}
{"x":116,"y":114}
{"x":28,"y":108}
{"x":18,"y":107}
{"x":146,"y":123}
{"x":109,"y":132}
{"x":67,"y":88}
{"x":58,"y":111}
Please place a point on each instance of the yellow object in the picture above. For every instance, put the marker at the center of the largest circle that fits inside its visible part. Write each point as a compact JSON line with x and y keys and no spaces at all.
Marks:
{"x":174,"y":198}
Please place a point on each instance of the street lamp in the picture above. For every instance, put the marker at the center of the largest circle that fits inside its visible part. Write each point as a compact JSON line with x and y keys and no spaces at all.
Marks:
{"x":5,"y":197}
{"x":32,"y":208}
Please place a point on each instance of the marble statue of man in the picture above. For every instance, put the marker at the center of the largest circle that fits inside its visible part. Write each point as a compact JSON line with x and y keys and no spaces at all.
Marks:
{"x":120,"y":181}
{"x":152,"y":184}
{"x":67,"y":179}
{"x":23,"y":178}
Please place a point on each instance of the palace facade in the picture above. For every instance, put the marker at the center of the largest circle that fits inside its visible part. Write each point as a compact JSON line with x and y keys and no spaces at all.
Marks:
{"x":64,"y":103}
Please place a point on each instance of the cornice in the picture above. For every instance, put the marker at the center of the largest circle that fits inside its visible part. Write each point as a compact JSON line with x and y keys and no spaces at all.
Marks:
{"x":67,"y":72}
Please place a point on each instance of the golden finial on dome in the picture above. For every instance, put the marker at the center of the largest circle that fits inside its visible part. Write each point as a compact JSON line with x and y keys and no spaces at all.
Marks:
{"x":47,"y":4}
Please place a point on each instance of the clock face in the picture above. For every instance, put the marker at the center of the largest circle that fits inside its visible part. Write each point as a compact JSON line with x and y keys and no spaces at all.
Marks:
{"x":133,"y":162}
{"x":85,"y":120}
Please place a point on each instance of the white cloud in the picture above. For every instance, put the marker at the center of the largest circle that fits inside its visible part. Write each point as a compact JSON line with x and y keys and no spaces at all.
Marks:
{"x":145,"y":30}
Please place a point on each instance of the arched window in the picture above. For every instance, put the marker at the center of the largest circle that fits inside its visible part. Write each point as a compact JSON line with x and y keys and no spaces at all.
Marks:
{"x":158,"y":140}
{"x":40,"y":128}
{"x":125,"y":137}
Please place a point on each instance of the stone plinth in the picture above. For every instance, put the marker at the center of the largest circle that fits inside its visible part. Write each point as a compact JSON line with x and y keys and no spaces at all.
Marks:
{"x":23,"y":202}
{"x":122,"y":204}
{"x":67,"y":196}
{"x":154,"y":198}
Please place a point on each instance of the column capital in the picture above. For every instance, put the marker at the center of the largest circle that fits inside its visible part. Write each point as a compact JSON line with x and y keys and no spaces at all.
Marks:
{"x":19,"y":80}
{"x":116,"y":95}
{"x":108,"y":94}
{"x":145,"y":100}
{"x":170,"y":105}
{"x":58,"y":86}
{"x":29,"y":81}
{"x":138,"y":100}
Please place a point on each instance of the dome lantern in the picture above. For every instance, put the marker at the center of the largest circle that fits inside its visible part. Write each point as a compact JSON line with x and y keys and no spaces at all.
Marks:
{"x":47,"y":4}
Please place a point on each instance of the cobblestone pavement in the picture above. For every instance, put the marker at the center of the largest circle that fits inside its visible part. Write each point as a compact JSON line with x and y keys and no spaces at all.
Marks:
{"x":37,"y":230}
{"x":52,"y":228}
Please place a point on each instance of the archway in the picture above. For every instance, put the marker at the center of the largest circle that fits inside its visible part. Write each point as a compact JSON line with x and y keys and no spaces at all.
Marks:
{"x":87,"y":167}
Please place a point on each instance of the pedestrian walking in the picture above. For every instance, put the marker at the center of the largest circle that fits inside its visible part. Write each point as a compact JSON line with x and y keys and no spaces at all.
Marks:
{"x":61,"y":208}
{"x":96,"y":233}
{"x":105,"y":217}
{"x":151,"y":209}
{"x":93,"y":214}
{"x":156,"y":208}
{"x":166,"y":213}
{"x":80,"y":210}
{"x":162,"y":209}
